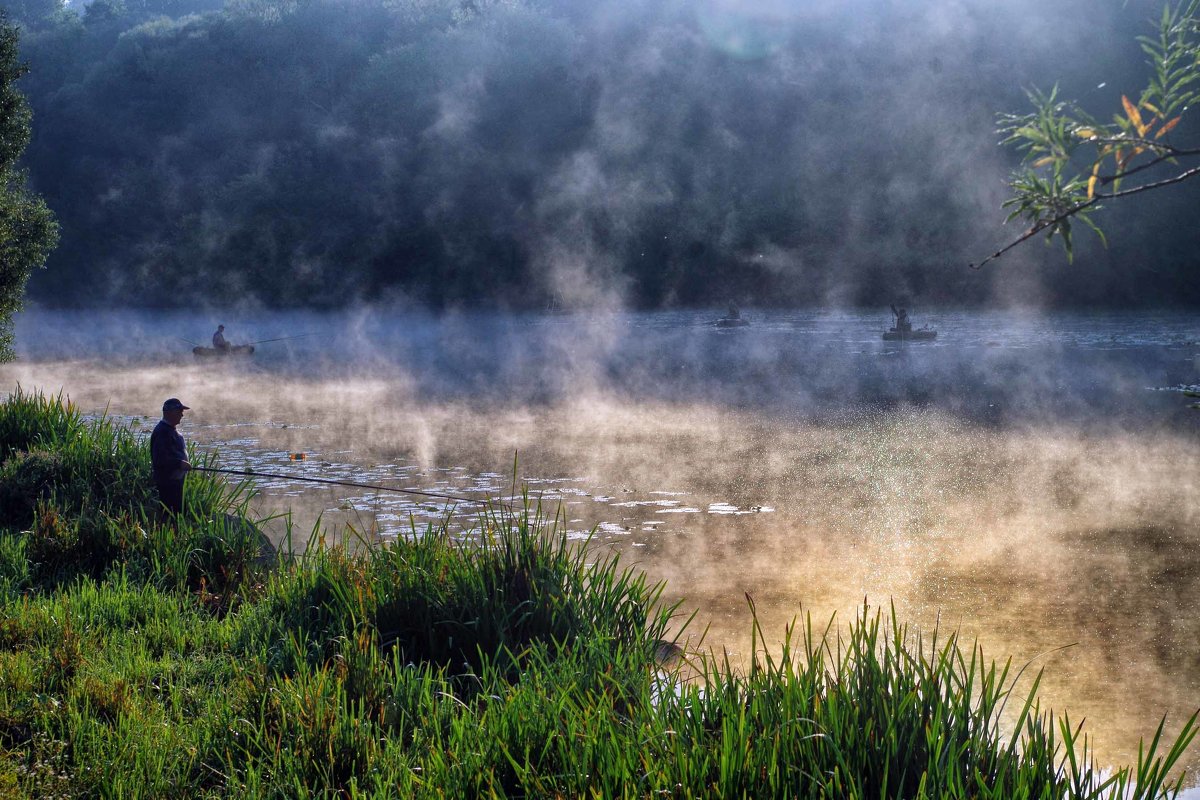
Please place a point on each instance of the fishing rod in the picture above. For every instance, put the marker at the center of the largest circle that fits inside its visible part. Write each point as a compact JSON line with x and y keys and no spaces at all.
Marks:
{"x":251,"y":474}
{"x":282,"y":338}
{"x":189,"y":341}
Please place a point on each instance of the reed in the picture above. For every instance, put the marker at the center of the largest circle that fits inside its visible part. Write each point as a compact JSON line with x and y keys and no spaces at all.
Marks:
{"x":139,"y":659}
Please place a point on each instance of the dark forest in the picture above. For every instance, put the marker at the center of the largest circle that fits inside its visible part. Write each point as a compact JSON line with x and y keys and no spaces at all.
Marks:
{"x":561,"y":154}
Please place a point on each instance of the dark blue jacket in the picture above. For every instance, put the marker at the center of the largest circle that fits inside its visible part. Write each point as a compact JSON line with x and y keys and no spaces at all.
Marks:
{"x":167,"y":453}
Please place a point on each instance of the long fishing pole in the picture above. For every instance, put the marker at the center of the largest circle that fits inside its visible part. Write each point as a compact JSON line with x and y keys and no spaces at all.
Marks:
{"x":251,"y":474}
{"x":282,"y":338}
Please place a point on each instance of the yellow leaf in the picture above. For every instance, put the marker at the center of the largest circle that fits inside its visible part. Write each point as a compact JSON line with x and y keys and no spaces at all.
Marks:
{"x":1092,"y":182}
{"x":1086,"y":133}
{"x":1150,"y":107}
{"x":1134,"y":115}
{"x":1167,"y":127}
{"x":1041,"y":162}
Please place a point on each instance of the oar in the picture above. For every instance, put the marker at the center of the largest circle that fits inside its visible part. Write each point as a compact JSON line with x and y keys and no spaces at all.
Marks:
{"x":251,"y":474}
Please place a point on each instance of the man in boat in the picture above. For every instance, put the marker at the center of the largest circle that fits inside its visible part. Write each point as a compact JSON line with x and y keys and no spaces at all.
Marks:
{"x":168,"y":457}
{"x":902,"y":322}
{"x":219,"y":342}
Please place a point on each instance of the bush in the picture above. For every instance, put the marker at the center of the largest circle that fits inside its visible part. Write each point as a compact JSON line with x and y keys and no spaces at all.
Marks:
{"x":35,"y":421}
{"x":27,"y":479}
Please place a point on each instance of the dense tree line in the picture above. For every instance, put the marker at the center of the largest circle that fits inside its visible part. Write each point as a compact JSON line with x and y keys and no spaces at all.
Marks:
{"x":27,"y":229}
{"x":534,"y":153}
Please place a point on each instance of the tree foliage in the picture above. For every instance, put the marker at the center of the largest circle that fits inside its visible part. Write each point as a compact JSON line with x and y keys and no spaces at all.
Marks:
{"x":1074,"y":162}
{"x":34,"y":13}
{"x":27,"y":229}
{"x":525,"y":153}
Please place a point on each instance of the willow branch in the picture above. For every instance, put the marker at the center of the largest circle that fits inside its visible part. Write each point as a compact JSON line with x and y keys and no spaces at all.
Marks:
{"x":1150,"y":144}
{"x":1037,"y":228}
{"x":1145,"y":187}
{"x":1042,"y":225}
{"x":1105,"y":180}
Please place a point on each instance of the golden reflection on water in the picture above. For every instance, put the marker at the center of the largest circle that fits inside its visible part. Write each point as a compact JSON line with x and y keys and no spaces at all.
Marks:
{"x":1027,"y":540}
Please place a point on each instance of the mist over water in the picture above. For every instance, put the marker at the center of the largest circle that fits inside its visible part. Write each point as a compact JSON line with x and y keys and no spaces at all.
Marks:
{"x":996,"y":367}
{"x":1033,"y":481}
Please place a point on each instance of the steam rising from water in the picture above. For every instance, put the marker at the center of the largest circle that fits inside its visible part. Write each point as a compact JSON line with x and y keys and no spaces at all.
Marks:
{"x":1022,"y":482}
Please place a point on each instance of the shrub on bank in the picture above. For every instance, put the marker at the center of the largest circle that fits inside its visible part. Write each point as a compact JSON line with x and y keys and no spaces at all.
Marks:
{"x":78,"y":494}
{"x":142,"y":659}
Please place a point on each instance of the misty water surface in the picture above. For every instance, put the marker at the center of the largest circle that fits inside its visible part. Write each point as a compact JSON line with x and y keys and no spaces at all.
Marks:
{"x":1031,"y":480}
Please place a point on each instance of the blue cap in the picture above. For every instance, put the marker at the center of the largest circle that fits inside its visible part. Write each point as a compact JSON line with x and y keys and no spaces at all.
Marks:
{"x":174,"y":405}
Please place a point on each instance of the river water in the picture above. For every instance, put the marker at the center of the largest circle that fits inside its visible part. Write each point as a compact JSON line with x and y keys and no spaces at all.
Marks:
{"x":1030,"y":480}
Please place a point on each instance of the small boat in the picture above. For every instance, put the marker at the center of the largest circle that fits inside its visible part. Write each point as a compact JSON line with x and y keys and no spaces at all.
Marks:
{"x":732,"y":318}
{"x":903,"y":331}
{"x":213,"y":352}
{"x":919,"y":335}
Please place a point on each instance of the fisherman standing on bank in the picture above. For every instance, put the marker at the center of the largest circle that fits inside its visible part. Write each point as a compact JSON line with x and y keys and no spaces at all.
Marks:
{"x":168,"y":457}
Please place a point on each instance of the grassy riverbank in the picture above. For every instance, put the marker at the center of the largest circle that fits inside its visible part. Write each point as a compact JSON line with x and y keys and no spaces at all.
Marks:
{"x":139,"y":659}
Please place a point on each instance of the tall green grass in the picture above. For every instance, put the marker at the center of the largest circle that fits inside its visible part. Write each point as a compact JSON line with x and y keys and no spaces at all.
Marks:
{"x":143,"y":659}
{"x":79,"y":494}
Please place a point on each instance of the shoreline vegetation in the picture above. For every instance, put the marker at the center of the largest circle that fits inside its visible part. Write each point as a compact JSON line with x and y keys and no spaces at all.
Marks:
{"x":144,"y":659}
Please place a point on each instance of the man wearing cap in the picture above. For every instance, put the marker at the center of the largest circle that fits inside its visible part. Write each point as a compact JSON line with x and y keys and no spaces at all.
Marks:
{"x":168,"y":457}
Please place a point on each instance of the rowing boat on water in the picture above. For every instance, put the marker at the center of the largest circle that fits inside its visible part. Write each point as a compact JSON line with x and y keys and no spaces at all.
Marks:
{"x":903,"y":331}
{"x":919,"y":335}
{"x":213,"y":352}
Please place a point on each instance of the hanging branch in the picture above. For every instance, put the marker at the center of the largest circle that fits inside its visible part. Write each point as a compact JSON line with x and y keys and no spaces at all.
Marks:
{"x":1044,"y":224}
{"x":1065,"y":149}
